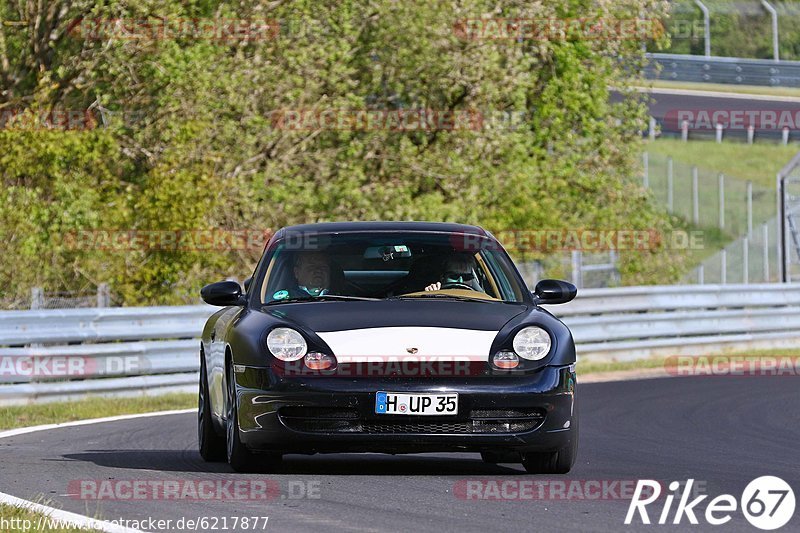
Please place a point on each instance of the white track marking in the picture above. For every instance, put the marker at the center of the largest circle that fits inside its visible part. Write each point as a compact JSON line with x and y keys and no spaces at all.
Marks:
{"x":45,"y":427}
{"x":65,"y":517}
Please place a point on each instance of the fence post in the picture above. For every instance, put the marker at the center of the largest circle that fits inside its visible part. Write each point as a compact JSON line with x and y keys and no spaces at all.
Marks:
{"x":751,"y":132}
{"x":721,"y":182}
{"x":723,"y":267}
{"x":646,"y":167}
{"x":779,"y":228}
{"x":695,"y":198}
{"x":706,"y":26}
{"x":749,"y":208}
{"x":765,"y":250}
{"x":719,"y":133}
{"x":37,"y":298}
{"x":701,"y":274}
{"x":745,"y":260}
{"x":685,"y":130}
{"x":652,"y":131}
{"x":669,"y":185}
{"x":775,"y":41}
{"x":103,"y":295}
{"x":785,"y":136}
{"x":576,"y":268}
{"x":614,"y":260}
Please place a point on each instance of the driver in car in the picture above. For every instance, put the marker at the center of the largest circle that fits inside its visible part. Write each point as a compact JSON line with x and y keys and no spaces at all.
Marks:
{"x":312,"y":270}
{"x":459,"y":273}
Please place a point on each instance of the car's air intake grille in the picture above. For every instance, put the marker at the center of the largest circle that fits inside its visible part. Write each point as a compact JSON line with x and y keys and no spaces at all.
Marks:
{"x":378,"y":427}
{"x":335,"y":420}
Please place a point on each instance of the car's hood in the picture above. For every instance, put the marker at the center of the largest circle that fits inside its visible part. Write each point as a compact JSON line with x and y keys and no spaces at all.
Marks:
{"x":356,"y":330}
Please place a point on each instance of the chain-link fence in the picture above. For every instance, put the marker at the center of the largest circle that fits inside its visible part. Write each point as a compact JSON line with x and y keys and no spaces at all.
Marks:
{"x":790,"y":220}
{"x":585,"y":270}
{"x":708,"y":199}
{"x":749,"y":259}
{"x":740,"y":215}
{"x":42,"y":299}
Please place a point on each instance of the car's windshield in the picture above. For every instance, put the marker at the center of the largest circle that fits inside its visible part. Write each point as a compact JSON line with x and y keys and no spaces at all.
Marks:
{"x":355,"y":266}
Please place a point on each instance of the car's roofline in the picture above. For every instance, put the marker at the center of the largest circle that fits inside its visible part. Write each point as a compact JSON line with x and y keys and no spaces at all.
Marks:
{"x":383,"y":226}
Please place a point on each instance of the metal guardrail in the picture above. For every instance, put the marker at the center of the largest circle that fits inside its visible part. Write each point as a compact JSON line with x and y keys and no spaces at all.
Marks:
{"x":135,"y":350}
{"x":161,"y":342}
{"x":75,"y":390}
{"x":730,"y":70}
{"x":637,"y":322}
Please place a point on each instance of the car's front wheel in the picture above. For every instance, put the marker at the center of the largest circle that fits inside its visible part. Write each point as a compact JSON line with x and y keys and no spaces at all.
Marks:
{"x":557,"y":462}
{"x":239,"y":457}
{"x":212,"y":446}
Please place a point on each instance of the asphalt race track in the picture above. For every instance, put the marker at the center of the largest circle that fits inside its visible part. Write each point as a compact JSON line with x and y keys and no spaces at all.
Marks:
{"x":664,"y":106}
{"x":721,"y":431}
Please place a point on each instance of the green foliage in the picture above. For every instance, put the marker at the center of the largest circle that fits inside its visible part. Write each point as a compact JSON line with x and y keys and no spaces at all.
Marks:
{"x":192,"y":136}
{"x":738,"y":29}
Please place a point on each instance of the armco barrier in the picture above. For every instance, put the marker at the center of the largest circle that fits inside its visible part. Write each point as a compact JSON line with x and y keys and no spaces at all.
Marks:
{"x":636,"y":322}
{"x":129,"y":350}
{"x":611,"y":324}
{"x":729,"y":70}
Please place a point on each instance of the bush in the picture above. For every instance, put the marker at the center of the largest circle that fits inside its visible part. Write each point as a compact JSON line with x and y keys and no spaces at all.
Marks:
{"x":193,"y":137}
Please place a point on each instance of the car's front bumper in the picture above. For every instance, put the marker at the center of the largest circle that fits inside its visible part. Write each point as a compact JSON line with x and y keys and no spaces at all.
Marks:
{"x":532,"y":412}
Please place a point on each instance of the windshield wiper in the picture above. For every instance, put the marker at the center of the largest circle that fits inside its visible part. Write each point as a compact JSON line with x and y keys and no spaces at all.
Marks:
{"x":324,"y":297}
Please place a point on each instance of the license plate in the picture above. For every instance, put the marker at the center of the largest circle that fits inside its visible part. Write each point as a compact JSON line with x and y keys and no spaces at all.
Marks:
{"x":395,"y":403}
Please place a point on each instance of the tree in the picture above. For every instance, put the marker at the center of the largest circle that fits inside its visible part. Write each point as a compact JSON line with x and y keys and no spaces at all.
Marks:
{"x":202,"y":131}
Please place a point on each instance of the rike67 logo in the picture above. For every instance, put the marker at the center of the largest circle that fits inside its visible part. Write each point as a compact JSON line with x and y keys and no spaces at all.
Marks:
{"x":767,"y":503}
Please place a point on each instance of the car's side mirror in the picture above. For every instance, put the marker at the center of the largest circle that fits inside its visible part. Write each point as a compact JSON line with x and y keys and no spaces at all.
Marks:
{"x":554,"y":291}
{"x":247,"y":283}
{"x":223,"y":293}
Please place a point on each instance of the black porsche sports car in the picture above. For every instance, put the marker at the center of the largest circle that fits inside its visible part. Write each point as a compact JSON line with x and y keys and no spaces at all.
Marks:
{"x":392,"y":337}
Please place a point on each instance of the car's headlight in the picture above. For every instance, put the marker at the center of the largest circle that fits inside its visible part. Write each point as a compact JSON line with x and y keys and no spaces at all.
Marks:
{"x":286,"y":344}
{"x":532,"y":343}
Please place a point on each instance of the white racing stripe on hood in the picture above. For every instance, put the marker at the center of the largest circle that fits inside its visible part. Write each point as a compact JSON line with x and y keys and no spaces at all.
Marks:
{"x":376,"y":344}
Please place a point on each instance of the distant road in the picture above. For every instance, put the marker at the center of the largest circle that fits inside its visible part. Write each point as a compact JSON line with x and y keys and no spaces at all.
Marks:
{"x":666,"y":104}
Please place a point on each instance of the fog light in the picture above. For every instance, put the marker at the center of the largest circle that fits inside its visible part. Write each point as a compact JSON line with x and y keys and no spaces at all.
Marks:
{"x":505,"y":360}
{"x":319,"y":361}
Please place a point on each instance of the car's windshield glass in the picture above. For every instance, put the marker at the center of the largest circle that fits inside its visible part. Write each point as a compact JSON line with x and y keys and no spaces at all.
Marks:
{"x":356,"y":266}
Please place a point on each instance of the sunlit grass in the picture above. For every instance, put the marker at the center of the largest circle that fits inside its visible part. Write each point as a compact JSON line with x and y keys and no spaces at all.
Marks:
{"x":50,"y":413}
{"x":758,"y":162}
{"x":598,"y":367}
{"x":22,"y":520}
{"x":721,"y":88}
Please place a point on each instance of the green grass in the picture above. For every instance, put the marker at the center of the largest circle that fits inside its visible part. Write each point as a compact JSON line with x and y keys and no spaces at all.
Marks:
{"x":598,"y":367}
{"x":757,"y":162}
{"x":50,"y":413}
{"x":739,"y":162}
{"x":713,"y":240}
{"x":720,"y":87}
{"x":20,"y":518}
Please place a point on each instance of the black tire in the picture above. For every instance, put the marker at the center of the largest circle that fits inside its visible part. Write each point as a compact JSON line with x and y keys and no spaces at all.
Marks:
{"x":212,"y":445}
{"x":239,"y":457}
{"x":557,"y":462}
